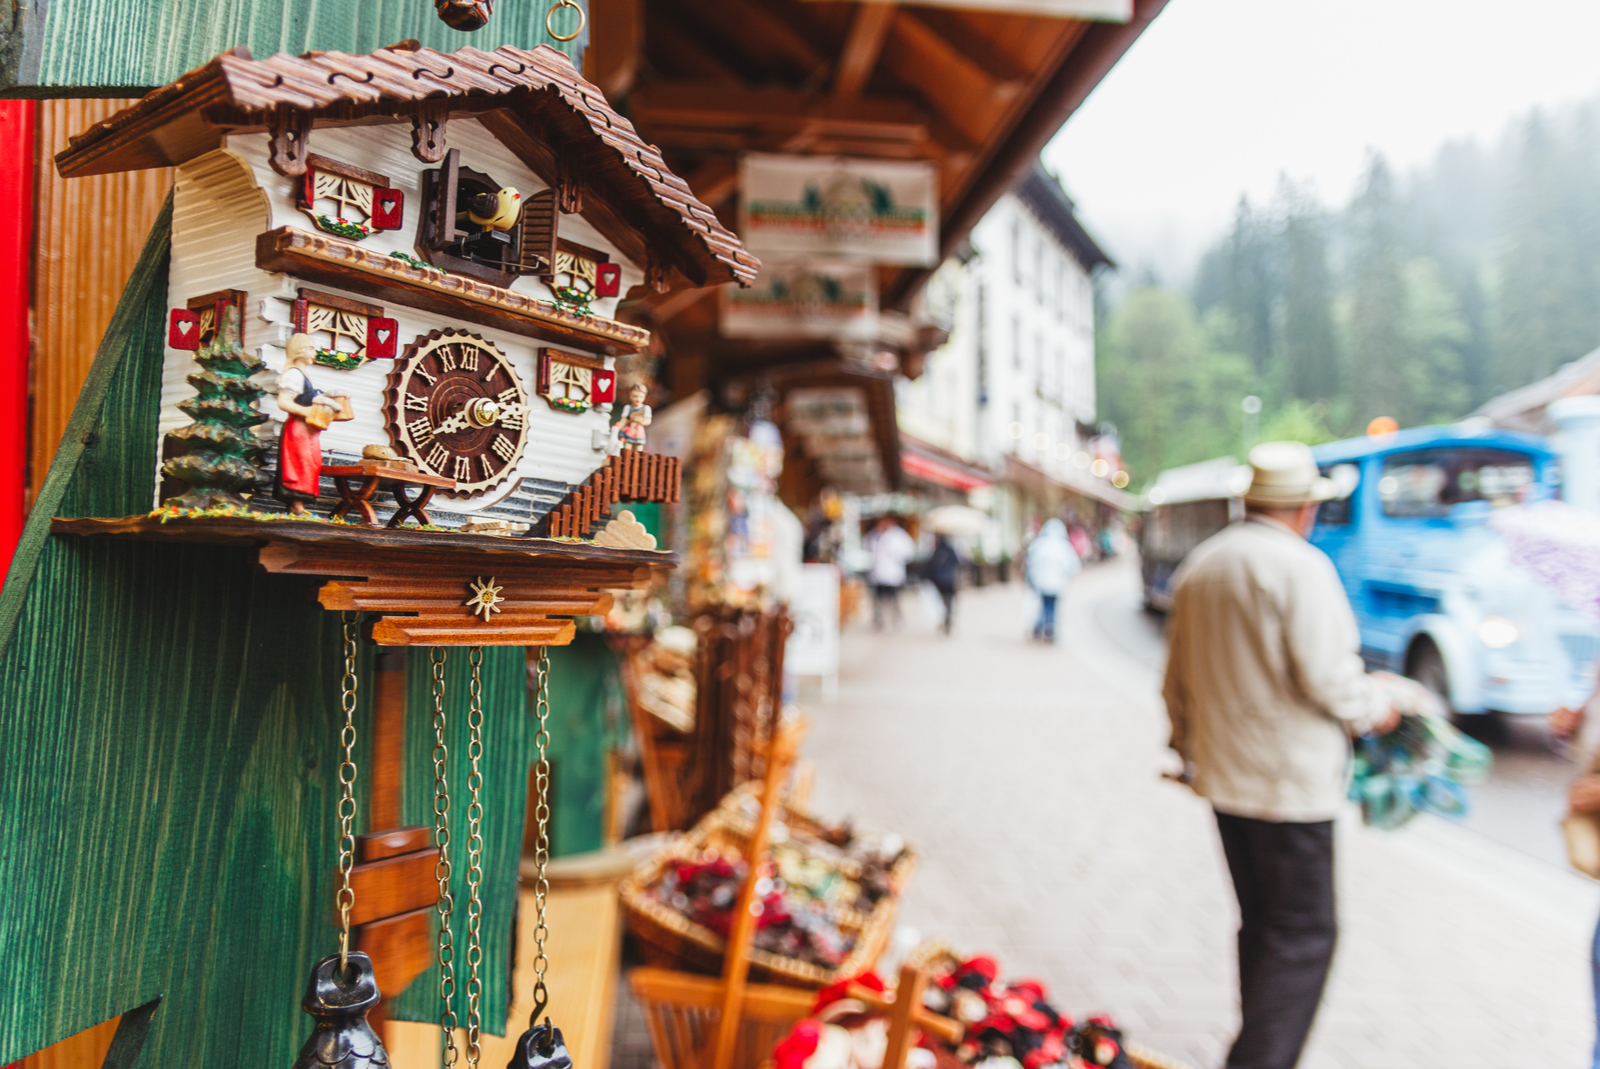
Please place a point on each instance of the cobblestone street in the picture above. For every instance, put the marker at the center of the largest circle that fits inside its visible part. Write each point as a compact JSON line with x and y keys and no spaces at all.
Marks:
{"x":1028,"y":777}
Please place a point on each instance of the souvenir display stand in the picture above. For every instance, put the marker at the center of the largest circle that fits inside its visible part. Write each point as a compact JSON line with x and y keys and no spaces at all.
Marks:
{"x":701,"y":1022}
{"x":366,"y":356}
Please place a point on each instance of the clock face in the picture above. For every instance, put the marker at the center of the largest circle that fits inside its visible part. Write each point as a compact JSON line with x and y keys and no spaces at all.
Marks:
{"x":454,"y":405}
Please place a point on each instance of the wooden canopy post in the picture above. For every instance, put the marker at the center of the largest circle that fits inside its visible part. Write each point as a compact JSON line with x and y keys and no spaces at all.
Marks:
{"x":736,"y":962}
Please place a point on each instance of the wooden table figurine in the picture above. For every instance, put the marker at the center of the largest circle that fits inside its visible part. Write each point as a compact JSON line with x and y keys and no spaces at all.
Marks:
{"x":309,"y":411}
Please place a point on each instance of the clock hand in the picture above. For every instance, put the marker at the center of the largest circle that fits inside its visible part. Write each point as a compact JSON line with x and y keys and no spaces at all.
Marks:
{"x":453,"y":424}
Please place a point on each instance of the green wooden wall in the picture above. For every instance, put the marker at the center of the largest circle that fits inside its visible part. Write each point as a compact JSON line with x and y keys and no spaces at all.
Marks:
{"x":112,"y":47}
{"x":168,"y":739}
{"x":587,"y":715}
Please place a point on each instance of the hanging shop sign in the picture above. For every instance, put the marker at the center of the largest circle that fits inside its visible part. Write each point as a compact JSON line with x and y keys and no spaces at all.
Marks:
{"x":837,"y":301}
{"x":882,"y":211}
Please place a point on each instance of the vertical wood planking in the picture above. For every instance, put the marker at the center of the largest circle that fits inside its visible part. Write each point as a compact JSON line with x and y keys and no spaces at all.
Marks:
{"x":90,"y":232}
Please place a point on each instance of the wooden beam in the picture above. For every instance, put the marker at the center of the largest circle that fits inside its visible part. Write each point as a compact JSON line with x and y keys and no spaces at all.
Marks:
{"x":678,"y":51}
{"x":714,"y":181}
{"x":759,"y":30}
{"x":701,"y":104}
{"x":616,"y":38}
{"x":868,"y":32}
{"x":963,"y":92}
{"x":1092,"y":51}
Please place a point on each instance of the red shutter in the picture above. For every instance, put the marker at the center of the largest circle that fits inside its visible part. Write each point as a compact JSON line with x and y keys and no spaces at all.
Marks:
{"x":382,"y":336}
{"x":607,"y":280}
{"x":605,"y":386}
{"x":183,"y":329}
{"x":388,"y":209}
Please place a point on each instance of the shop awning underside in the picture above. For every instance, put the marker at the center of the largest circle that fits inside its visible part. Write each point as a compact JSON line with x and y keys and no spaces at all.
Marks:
{"x":1023,"y":473}
{"x":929,"y":464}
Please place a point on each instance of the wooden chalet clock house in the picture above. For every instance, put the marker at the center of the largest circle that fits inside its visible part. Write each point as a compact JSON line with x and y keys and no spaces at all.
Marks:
{"x":361,"y":383}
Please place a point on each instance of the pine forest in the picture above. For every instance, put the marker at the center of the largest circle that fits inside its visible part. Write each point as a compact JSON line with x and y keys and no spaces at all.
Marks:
{"x":1424,"y":296}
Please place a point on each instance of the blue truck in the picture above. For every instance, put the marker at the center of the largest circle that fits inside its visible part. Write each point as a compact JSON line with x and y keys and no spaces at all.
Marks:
{"x":1433,"y":589}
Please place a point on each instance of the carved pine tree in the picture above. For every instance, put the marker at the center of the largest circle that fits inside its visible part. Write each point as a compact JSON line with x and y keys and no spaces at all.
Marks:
{"x":218,"y":454}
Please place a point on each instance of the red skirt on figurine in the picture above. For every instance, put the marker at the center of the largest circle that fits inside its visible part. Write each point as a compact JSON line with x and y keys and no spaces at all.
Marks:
{"x":300,"y":457}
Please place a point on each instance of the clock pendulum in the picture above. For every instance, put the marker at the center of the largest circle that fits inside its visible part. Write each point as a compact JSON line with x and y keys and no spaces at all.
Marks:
{"x":343,"y":988}
{"x":541,"y":1046}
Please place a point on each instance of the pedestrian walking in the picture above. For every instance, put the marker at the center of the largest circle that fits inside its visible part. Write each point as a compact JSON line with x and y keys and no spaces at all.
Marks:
{"x":944,"y":572}
{"x":1264,"y":689}
{"x":1052,"y":562}
{"x":891,"y":548}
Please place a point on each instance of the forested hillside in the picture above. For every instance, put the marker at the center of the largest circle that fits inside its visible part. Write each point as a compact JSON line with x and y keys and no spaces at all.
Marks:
{"x":1423,"y":296}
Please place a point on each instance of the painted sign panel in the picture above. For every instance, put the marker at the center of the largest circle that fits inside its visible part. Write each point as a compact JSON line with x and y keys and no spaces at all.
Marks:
{"x":885,"y":211}
{"x":804,"y":300}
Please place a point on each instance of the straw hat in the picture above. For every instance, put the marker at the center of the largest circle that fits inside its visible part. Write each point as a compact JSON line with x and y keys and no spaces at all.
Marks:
{"x":1285,"y":476}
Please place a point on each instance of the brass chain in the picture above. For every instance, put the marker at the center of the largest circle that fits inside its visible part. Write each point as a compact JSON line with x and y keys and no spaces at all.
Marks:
{"x":474,"y":853}
{"x":441,"y":868}
{"x":541,"y":816}
{"x":345,"y":898}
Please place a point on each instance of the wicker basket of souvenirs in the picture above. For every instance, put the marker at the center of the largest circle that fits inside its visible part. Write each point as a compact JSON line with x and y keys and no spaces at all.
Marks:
{"x":871,"y":857}
{"x":821,"y":919}
{"x":1013,"y":1020}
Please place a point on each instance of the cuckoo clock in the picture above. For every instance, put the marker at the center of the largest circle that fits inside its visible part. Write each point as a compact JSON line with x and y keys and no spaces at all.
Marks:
{"x":440,"y":253}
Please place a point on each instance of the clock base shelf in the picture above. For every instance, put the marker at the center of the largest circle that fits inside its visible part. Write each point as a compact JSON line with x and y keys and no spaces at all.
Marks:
{"x":423,"y":588}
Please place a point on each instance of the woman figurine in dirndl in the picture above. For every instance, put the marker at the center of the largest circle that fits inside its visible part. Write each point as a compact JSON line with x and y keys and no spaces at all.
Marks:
{"x":634,"y":418}
{"x":309,"y":412}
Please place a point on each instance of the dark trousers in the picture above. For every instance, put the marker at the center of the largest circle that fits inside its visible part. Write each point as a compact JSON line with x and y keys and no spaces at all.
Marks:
{"x":885,"y":594}
{"x":1283,"y":877}
{"x":947,"y":594}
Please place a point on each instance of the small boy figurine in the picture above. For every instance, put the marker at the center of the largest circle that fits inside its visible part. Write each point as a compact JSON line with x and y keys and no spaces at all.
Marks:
{"x":635,"y":418}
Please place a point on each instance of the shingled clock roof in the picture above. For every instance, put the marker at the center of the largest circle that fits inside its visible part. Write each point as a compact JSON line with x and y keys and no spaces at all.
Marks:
{"x":533,"y":100}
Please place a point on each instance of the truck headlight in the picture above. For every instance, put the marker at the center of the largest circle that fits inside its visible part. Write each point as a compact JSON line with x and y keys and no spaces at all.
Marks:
{"x":1496,"y":632}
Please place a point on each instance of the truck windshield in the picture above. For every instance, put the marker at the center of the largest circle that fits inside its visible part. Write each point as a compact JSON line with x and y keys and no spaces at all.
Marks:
{"x":1430,"y":482}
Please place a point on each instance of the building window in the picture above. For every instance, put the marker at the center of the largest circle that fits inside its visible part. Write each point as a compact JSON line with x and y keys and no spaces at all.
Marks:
{"x":1016,"y":342}
{"x":1016,"y":249}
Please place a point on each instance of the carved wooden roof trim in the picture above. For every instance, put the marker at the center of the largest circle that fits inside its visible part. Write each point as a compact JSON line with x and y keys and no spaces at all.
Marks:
{"x":539,"y":89}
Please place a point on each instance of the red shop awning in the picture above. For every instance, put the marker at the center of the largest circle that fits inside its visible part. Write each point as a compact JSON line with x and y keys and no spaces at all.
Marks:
{"x":939,"y":473}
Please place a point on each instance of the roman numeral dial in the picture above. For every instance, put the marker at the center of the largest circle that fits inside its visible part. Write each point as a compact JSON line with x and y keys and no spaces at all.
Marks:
{"x":455,"y":407}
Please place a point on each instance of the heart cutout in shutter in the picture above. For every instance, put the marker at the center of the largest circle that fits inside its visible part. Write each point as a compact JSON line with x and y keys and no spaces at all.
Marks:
{"x":604,"y":382}
{"x":185,"y":326}
{"x":388,"y":205}
{"x":383,"y":335}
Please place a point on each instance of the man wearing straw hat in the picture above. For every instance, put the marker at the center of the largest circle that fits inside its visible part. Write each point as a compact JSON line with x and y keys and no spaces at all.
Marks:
{"x":1265,"y":688}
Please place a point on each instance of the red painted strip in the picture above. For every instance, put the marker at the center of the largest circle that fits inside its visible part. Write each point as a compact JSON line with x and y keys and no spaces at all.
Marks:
{"x":16,"y":286}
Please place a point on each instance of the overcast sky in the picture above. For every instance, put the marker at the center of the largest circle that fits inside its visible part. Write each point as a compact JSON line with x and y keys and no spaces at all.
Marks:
{"x":1219,"y":97}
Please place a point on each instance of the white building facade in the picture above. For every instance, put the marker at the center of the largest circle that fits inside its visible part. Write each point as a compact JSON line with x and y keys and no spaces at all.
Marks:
{"x":1016,"y":380}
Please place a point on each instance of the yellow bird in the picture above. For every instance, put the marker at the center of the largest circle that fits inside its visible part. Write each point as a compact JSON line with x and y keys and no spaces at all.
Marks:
{"x":494,"y":211}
